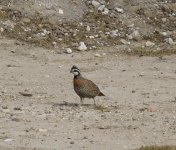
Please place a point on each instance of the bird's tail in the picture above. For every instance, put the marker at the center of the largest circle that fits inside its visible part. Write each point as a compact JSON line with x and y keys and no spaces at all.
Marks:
{"x":101,"y":94}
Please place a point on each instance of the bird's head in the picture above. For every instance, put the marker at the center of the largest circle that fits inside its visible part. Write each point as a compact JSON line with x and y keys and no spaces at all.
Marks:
{"x":75,"y":71}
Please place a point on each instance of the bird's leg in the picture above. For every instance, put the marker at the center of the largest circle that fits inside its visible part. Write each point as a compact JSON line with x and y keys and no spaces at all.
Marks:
{"x":81,"y":100}
{"x":94,"y":101}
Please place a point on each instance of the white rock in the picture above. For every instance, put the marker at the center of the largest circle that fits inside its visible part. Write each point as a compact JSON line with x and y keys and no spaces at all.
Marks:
{"x":103,"y":2}
{"x":101,"y":8}
{"x":94,"y":47}
{"x":130,"y":37}
{"x":114,"y":33}
{"x":131,"y":25}
{"x":54,"y":43}
{"x":135,"y":35}
{"x":46,"y":32}
{"x":97,"y":55}
{"x":120,"y":10}
{"x":164,"y":19}
{"x":96,"y":35}
{"x":123,"y":41}
{"x":42,"y":130}
{"x":163,"y":33}
{"x":91,"y":37}
{"x":88,"y":28}
{"x":129,"y":50}
{"x":2,"y":29}
{"x":95,"y":4}
{"x":82,"y":46}
{"x":61,"y":11}
{"x":170,"y":41}
{"x":156,"y":5}
{"x":148,"y":44}
{"x":68,"y":51}
{"x":106,"y":11}
{"x":9,"y":25}
{"x":8,"y":140}
{"x":5,"y":110}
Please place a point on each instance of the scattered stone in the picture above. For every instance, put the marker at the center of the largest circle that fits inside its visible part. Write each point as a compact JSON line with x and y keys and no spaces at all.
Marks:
{"x":95,"y":4}
{"x":54,"y":43}
{"x":135,"y":35}
{"x":164,"y":19}
{"x":170,"y":41}
{"x":148,"y":44}
{"x":131,"y":25}
{"x":8,"y":140}
{"x":164,"y":33}
{"x":91,"y":37}
{"x":26,"y":20}
{"x":120,"y":10}
{"x":68,"y":51}
{"x":2,"y":29}
{"x":94,"y":47}
{"x":42,"y":130}
{"x":114,"y":33}
{"x":5,"y":110}
{"x":129,"y":50}
{"x":104,"y":127}
{"x":101,"y":8}
{"x":106,"y":11}
{"x":82,"y":46}
{"x":61,"y":11}
{"x":97,"y":55}
{"x":8,"y":25}
{"x":130,"y":37}
{"x":123,"y":41}
{"x":88,"y":28}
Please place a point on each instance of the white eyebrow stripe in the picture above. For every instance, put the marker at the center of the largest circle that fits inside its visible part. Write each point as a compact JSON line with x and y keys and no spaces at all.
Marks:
{"x":76,"y":70}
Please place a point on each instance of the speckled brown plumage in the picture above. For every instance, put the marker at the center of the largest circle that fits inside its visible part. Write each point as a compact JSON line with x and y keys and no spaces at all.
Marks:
{"x":83,"y":87}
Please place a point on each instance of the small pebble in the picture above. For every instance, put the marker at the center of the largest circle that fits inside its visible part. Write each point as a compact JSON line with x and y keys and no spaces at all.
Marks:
{"x":82,"y":46}
{"x":120,"y":10}
{"x":149,"y":43}
{"x":95,"y":3}
{"x":8,"y":140}
{"x":68,"y":51}
{"x":61,"y":11}
{"x":42,"y":130}
{"x":97,"y":55}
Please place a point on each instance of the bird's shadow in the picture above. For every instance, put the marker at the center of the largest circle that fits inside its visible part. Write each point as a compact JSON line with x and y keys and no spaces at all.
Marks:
{"x":67,"y":104}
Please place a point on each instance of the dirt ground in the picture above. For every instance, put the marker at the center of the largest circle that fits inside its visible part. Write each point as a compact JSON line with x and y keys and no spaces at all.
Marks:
{"x":139,"y":107}
{"x":39,"y":109}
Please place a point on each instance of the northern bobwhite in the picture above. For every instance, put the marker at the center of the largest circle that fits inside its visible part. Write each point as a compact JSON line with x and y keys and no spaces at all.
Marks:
{"x":83,"y":87}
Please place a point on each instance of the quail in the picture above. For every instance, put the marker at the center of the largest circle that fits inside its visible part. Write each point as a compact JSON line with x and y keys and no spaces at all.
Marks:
{"x":83,"y":87}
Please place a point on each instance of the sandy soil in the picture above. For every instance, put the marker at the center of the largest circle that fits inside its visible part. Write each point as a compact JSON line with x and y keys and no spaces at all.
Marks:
{"x":139,"y":107}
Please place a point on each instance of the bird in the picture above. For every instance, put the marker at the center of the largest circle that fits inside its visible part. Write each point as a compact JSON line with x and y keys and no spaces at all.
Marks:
{"x":83,"y":87}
